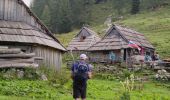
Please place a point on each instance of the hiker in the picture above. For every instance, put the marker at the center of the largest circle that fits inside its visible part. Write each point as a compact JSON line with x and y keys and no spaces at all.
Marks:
{"x":155,"y":60}
{"x":81,"y":72}
{"x":155,"y":56}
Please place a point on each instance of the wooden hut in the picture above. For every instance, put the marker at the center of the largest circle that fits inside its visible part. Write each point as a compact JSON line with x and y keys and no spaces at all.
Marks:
{"x":83,"y":40}
{"x":20,"y":28}
{"x":116,"y":41}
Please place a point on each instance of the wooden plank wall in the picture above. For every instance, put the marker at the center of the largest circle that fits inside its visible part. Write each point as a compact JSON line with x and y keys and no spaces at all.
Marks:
{"x":52,"y":57}
{"x":13,"y":10}
{"x":103,"y":55}
{"x":98,"y":56}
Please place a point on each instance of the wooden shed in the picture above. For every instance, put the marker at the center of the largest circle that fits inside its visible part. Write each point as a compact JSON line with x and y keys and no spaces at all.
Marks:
{"x":83,"y":40}
{"x":116,"y":41}
{"x":20,"y":28}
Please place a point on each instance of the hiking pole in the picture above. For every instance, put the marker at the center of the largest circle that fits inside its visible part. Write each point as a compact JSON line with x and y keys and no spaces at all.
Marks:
{"x":72,"y":54}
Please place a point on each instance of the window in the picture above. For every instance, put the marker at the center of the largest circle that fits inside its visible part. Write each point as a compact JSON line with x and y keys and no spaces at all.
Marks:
{"x":82,"y":38}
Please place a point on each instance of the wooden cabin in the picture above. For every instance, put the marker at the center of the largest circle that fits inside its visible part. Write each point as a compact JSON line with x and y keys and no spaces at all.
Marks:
{"x":20,"y":28}
{"x":83,"y":40}
{"x":116,"y":41}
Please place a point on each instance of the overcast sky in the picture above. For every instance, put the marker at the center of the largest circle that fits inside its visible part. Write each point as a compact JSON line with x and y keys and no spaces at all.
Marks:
{"x":27,"y":2}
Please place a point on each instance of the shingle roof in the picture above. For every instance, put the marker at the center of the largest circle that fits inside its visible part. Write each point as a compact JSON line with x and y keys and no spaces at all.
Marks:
{"x":118,"y":37}
{"x":135,"y":36}
{"x":24,"y":33}
{"x":78,"y":44}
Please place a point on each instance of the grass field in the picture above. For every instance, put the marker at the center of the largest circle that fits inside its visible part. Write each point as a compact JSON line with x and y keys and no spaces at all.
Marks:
{"x":97,"y":90}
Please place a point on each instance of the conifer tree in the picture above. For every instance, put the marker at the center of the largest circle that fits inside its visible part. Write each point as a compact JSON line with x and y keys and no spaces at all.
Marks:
{"x":135,"y":6}
{"x":38,"y":6}
{"x":45,"y":17}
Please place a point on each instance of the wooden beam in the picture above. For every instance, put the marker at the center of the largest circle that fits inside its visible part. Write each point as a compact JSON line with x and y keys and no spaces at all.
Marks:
{"x":11,"y":61}
{"x":3,"y":47}
{"x":19,"y":65}
{"x":17,"y":55}
{"x":10,"y":51}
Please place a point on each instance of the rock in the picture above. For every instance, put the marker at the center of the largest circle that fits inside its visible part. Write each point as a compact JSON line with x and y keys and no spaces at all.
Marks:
{"x":162,"y":71}
{"x":44,"y":78}
{"x":162,"y":75}
{"x":20,"y":74}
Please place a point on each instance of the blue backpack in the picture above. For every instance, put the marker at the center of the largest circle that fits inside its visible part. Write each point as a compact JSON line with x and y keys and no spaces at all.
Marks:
{"x":81,"y":71}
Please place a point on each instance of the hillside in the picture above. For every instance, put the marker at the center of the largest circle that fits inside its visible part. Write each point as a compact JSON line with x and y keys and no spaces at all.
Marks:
{"x":154,"y":24}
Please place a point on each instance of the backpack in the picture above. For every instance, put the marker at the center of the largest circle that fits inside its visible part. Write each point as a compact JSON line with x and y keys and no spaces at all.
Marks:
{"x":81,"y":72}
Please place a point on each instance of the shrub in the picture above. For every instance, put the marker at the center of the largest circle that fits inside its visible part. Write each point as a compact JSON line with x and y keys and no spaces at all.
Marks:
{"x":125,"y":96}
{"x":128,"y":86}
{"x":31,"y":74}
{"x":126,"y":73}
{"x":14,"y":73}
{"x":56,"y":78}
{"x":110,"y":77}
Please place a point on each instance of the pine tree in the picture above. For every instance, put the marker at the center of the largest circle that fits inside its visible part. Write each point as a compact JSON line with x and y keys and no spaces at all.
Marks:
{"x":81,"y":11}
{"x":38,"y":6}
{"x":61,"y":16}
{"x":119,"y":5}
{"x":135,"y":6}
{"x":45,"y":17}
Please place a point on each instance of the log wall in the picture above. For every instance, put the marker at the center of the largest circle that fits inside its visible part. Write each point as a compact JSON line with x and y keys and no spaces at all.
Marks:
{"x":51,"y":57}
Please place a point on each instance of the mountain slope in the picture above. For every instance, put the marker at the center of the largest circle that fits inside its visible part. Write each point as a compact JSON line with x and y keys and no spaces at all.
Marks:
{"x":156,"y":27}
{"x":154,"y":24}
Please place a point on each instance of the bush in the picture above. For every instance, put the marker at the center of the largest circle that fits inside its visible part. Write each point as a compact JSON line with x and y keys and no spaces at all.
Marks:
{"x":16,"y":73}
{"x":123,"y":74}
{"x":126,"y":73}
{"x":125,"y":96}
{"x":31,"y":74}
{"x":110,"y":77}
{"x":56,"y":78}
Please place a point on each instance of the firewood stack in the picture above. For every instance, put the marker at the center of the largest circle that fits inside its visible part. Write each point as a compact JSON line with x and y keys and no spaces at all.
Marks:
{"x":15,"y":58}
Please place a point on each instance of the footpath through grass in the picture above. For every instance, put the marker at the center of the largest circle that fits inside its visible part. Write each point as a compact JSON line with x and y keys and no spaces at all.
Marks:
{"x":97,"y":90}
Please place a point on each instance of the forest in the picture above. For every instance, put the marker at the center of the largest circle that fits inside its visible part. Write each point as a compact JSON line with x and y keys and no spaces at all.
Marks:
{"x":62,"y":16}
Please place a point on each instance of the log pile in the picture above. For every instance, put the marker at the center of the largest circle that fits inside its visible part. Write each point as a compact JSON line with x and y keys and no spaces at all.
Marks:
{"x":15,"y":58}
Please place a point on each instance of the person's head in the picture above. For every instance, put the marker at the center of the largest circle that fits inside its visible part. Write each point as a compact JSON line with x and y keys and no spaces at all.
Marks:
{"x":83,"y":57}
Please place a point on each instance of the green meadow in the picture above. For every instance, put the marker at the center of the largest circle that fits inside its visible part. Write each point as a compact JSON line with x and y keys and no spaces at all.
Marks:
{"x":97,"y":90}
